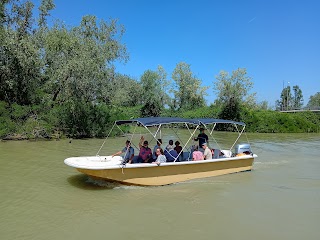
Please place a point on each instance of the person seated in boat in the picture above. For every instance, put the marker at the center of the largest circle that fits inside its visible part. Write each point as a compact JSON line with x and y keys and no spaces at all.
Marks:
{"x":128,"y":152}
{"x":158,"y":145}
{"x":178,"y":148}
{"x":207,"y":154}
{"x":171,"y":155}
{"x":202,"y":138}
{"x":170,"y":145}
{"x":145,"y":154}
{"x":161,"y":158}
{"x":196,"y":154}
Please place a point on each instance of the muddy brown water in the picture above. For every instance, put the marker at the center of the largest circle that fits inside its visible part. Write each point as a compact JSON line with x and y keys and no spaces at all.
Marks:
{"x":41,"y":198}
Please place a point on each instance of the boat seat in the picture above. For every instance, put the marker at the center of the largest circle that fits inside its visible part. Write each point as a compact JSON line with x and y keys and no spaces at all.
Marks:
{"x":216,"y":153}
{"x":187,"y":156}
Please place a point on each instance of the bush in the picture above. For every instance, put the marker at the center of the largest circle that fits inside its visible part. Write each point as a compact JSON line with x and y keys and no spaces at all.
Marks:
{"x":7,"y":123}
{"x":78,"y":120}
{"x":203,"y":112}
{"x":267,"y":121}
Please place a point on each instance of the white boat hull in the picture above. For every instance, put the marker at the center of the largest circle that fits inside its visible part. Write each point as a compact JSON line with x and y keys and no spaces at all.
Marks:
{"x":146,"y":174}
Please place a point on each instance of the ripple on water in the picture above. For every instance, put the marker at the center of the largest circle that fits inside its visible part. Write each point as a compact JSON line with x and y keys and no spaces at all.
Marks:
{"x":110,"y":184}
{"x":270,"y":164}
{"x":85,"y":182}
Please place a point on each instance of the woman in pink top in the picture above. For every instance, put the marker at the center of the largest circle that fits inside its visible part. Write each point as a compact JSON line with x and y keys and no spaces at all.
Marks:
{"x":197,"y":155}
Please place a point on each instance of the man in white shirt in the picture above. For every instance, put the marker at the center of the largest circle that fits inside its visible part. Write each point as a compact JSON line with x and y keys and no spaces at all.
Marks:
{"x":207,"y":152}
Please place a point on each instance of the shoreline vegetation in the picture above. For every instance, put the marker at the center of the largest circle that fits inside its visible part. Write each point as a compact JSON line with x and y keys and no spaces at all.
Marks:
{"x":61,"y":81}
{"x":30,"y":126}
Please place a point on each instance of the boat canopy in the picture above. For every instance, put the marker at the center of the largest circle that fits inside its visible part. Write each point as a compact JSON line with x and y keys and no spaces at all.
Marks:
{"x":156,"y":121}
{"x":205,"y":121}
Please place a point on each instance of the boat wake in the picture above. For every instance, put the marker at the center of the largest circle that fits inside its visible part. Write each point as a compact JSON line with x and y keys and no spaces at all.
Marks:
{"x":262,"y":165}
{"x":110,"y":184}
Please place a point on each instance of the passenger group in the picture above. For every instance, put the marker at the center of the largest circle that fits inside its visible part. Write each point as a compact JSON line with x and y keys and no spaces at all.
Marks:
{"x":171,"y":152}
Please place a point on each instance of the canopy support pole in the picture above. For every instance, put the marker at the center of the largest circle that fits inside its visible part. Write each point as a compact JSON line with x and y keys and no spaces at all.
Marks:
{"x":239,"y":135}
{"x":105,"y":140}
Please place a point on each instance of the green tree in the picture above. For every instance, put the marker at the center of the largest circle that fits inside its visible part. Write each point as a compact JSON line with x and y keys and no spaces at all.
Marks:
{"x":285,"y":102}
{"x":297,"y":100}
{"x":120,"y":90}
{"x":44,"y":9}
{"x":314,"y":101}
{"x":233,"y":92}
{"x":263,"y":105}
{"x":61,"y":74}
{"x":188,"y":93}
{"x":164,"y":85}
{"x":78,"y":60}
{"x":20,"y":65}
{"x":231,"y":110}
{"x":3,"y":12}
{"x":236,"y":86}
{"x":21,"y":18}
{"x":151,"y":94}
{"x":79,"y":68}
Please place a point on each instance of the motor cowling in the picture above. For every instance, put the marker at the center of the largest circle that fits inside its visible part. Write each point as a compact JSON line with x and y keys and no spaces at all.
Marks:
{"x":243,"y":148}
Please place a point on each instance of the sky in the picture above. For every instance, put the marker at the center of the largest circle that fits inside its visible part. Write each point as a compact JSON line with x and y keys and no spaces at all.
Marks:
{"x":277,"y":41}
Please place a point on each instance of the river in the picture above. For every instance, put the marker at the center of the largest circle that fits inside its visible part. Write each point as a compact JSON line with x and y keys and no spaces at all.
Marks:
{"x":41,"y":198}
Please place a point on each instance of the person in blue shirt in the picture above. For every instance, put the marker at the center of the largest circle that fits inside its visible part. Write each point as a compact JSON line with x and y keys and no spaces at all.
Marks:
{"x":171,"y":155}
{"x":128,"y":152}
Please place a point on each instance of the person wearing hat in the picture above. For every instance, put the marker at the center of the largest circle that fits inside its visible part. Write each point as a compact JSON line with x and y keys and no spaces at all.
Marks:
{"x":207,"y":154}
{"x":202,"y":137}
{"x":145,"y":154}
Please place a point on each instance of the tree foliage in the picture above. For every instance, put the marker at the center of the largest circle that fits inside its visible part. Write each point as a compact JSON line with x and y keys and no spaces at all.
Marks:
{"x":263,"y":121}
{"x":78,"y":61}
{"x":20,"y":64}
{"x":44,"y":9}
{"x":62,"y":78}
{"x":153,"y":95}
{"x":233,"y":92}
{"x":288,"y":100}
{"x":314,"y":101}
{"x":297,"y":101}
{"x":119,"y":90}
{"x":188,"y":93}
{"x":284,"y":103}
{"x":237,"y":87}
{"x":64,"y":69}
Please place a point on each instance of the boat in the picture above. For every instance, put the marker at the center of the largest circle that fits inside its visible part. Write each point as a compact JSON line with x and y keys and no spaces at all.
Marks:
{"x":237,"y":158}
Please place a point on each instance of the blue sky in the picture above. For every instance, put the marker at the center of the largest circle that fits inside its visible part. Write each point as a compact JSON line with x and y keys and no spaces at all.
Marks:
{"x":276,"y":41}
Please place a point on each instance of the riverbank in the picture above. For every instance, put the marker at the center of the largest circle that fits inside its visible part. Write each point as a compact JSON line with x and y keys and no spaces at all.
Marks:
{"x":24,"y":124}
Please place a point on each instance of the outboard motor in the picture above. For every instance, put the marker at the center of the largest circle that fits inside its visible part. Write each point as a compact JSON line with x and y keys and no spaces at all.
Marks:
{"x":243,"y":148}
